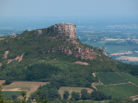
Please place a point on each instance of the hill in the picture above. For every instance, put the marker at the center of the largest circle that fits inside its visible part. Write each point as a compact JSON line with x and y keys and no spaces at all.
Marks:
{"x":55,"y":55}
{"x":56,"y":43}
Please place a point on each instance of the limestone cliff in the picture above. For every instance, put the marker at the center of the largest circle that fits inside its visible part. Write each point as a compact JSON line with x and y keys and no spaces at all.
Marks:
{"x":62,"y":29}
{"x":68,"y":29}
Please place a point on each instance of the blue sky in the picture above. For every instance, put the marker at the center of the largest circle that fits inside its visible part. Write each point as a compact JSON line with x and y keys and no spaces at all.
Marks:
{"x":53,"y":8}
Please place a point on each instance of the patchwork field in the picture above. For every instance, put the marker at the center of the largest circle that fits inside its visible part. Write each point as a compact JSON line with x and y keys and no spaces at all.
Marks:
{"x":122,"y":90}
{"x":71,"y":89}
{"x":29,"y":87}
{"x":117,"y":84}
{"x":111,"y":78}
{"x":8,"y":94}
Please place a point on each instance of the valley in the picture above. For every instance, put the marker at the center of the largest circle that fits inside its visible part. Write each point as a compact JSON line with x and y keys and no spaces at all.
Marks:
{"x":119,"y":46}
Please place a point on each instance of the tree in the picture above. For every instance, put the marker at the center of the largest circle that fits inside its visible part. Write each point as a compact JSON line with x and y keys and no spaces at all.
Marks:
{"x":14,"y":96}
{"x":84,"y":94}
{"x":75,"y":96}
{"x":53,"y":94}
{"x":66,"y":95}
{"x":23,"y":94}
{"x":8,"y":81}
{"x":97,"y":95}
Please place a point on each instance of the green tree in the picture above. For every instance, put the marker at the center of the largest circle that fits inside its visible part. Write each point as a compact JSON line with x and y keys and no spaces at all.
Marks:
{"x":53,"y":94}
{"x":84,"y":94}
{"x":97,"y":95}
{"x":66,"y":95}
{"x":23,"y":94}
{"x":14,"y":96}
{"x":75,"y":95}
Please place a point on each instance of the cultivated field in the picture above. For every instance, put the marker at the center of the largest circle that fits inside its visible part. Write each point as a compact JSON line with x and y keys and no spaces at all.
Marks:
{"x":111,"y":78}
{"x":122,"y":90}
{"x":8,"y":94}
{"x":128,"y":58}
{"x":71,"y":89}
{"x":1,"y":38}
{"x":29,"y":87}
{"x":130,"y":78}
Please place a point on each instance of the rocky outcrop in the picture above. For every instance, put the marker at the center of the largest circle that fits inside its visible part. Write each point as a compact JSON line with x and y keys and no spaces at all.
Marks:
{"x":67,"y":29}
{"x":38,"y":32}
{"x":83,"y":53}
{"x":6,"y":54}
{"x":18,"y":58}
{"x":61,"y":29}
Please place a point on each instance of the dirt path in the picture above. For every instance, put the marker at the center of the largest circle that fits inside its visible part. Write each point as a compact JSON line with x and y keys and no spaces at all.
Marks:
{"x":94,"y":74}
{"x":135,"y":97}
{"x":119,"y":83}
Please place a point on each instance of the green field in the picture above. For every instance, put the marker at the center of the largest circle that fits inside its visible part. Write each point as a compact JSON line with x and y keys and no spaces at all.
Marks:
{"x":116,"y":91}
{"x":80,"y":101}
{"x":133,"y":55}
{"x":130,"y":78}
{"x":8,"y":94}
{"x":111,"y":78}
{"x":111,"y":48}
{"x":114,"y":48}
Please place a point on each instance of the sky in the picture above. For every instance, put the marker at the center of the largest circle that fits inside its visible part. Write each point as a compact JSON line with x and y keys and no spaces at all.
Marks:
{"x":66,"y":8}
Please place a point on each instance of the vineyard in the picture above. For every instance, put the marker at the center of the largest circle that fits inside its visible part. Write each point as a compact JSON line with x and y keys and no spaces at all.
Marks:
{"x":111,"y":78}
{"x":122,"y":90}
{"x":130,"y":78}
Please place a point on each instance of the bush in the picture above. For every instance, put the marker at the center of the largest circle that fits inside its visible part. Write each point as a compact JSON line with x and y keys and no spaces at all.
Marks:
{"x":66,"y":95}
{"x":97,"y":95}
{"x":84,"y":94}
{"x":8,"y":81}
{"x":14,"y":96}
{"x":75,"y":96}
{"x":53,"y":94}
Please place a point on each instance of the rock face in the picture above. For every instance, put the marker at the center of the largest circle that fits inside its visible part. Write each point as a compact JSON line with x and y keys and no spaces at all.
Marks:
{"x":83,"y":53}
{"x":67,"y":29}
{"x":63,"y":29}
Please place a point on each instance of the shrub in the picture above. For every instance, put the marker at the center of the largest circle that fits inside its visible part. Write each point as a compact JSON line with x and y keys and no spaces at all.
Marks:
{"x":66,"y":95}
{"x":8,"y":81}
